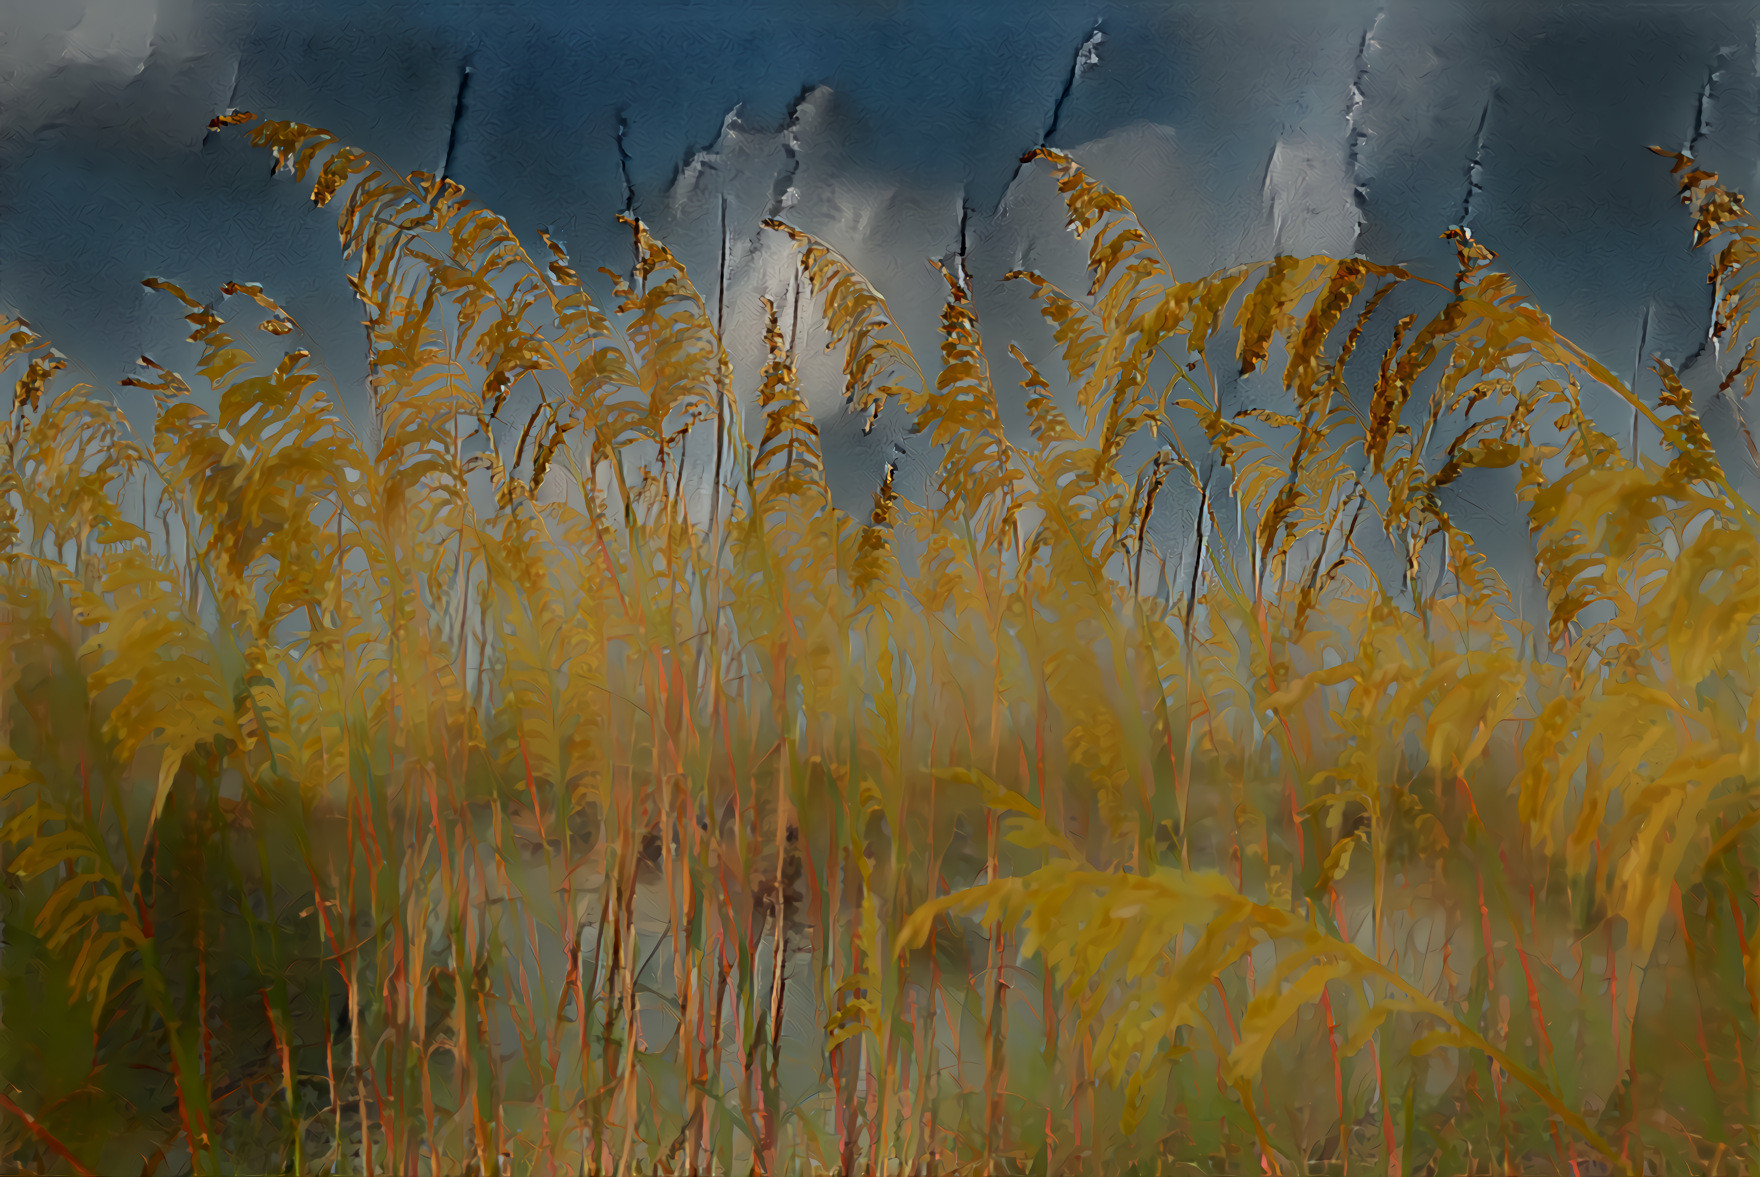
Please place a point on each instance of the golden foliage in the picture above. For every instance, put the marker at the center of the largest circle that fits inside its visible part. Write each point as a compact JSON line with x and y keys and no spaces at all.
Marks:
{"x":448,"y":717}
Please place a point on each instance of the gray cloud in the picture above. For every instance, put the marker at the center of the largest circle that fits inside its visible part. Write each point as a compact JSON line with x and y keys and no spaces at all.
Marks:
{"x":1236,"y":130}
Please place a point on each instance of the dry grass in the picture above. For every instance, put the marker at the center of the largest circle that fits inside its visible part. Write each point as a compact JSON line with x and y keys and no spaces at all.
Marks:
{"x":438,"y":794}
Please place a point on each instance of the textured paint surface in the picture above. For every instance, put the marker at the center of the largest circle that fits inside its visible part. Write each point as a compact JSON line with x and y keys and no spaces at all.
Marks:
{"x":579,"y":795}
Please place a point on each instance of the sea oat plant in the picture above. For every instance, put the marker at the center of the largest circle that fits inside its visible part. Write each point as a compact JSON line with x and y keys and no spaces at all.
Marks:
{"x":441,"y":793}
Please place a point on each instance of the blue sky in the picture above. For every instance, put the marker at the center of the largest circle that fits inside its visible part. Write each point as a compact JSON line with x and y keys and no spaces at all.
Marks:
{"x":1238,"y":129}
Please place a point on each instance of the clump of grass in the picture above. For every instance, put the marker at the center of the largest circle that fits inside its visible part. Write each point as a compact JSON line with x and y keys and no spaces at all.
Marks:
{"x":439,"y":794}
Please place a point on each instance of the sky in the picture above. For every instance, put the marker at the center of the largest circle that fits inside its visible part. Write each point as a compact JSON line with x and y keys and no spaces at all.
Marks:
{"x":1238,"y":129}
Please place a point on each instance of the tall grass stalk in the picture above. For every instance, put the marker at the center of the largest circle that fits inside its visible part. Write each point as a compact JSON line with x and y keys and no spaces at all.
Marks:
{"x":447,"y":797}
